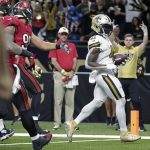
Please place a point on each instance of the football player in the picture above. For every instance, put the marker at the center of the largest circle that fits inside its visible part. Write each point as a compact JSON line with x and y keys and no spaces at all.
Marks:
{"x":98,"y":58}
{"x":19,"y":34}
{"x":5,"y":89}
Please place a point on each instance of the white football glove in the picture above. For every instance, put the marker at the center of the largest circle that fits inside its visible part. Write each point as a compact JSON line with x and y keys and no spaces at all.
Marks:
{"x":92,"y":76}
{"x":111,"y":66}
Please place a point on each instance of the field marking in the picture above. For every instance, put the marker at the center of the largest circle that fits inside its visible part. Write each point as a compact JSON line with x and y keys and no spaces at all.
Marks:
{"x":83,"y":136}
{"x":61,"y":142}
{"x":14,"y":144}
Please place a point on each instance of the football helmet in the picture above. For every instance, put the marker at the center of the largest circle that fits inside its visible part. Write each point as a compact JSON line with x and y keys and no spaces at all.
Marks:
{"x":22,"y":10}
{"x":102,"y":24}
{"x":5,"y":9}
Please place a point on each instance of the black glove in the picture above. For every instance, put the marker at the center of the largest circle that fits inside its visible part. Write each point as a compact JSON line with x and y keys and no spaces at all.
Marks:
{"x":63,"y":46}
{"x":26,"y":53}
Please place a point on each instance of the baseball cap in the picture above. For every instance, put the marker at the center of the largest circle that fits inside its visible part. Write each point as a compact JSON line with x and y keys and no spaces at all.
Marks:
{"x":63,"y":30}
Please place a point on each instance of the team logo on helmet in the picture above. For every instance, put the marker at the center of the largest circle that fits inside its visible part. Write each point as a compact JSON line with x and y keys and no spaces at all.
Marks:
{"x":102,"y":24}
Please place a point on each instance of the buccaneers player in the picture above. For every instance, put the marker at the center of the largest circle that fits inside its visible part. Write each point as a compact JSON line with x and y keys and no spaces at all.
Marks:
{"x":19,"y":31}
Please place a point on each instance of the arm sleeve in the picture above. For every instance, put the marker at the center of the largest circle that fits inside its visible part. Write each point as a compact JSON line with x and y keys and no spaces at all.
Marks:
{"x":94,"y":42}
{"x":26,"y":53}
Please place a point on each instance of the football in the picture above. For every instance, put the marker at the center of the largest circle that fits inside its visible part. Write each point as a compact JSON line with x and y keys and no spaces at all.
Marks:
{"x":120,"y":59}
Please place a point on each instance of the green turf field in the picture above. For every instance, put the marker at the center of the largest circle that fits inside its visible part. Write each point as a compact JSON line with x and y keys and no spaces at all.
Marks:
{"x":60,"y":143}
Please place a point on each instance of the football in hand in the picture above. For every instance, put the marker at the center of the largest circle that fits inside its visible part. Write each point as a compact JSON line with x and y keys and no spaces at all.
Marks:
{"x":120,"y":59}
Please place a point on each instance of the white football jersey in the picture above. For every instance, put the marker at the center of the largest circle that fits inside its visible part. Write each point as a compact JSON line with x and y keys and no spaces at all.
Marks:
{"x":104,"y":44}
{"x":107,"y":85}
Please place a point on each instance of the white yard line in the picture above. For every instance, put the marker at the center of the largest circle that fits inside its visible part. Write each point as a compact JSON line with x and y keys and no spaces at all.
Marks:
{"x":60,"y":142}
{"x":14,"y":144}
{"x":83,"y":136}
{"x":108,"y":138}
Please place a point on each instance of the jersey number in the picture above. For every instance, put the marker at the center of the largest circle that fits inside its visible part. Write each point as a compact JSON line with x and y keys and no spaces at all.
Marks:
{"x":26,"y":40}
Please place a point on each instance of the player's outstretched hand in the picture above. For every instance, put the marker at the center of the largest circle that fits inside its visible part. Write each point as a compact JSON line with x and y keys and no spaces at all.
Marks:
{"x":64,"y":46}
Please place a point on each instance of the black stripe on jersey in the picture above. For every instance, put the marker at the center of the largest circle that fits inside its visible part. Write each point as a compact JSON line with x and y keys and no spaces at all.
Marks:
{"x":118,"y":93}
{"x":112,"y":87}
{"x":97,"y":44}
{"x":104,"y":78}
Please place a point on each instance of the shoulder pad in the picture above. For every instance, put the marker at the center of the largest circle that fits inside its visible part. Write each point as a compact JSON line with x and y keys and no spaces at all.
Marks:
{"x":94,"y":41}
{"x":10,"y":21}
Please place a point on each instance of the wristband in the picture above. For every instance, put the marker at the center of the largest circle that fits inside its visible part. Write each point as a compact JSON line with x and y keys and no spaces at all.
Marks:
{"x":26,"y":53}
{"x":57,"y":46}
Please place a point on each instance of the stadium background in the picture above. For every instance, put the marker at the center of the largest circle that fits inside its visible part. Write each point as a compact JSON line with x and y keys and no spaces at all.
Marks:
{"x":67,"y":12}
{"x":84,"y":92}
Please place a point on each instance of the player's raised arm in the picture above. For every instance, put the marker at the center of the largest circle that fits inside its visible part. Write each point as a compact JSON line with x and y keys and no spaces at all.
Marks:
{"x":42,"y":44}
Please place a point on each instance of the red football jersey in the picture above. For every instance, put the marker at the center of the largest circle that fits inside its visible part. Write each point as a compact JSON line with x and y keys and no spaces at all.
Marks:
{"x":22,"y":34}
{"x":21,"y":60}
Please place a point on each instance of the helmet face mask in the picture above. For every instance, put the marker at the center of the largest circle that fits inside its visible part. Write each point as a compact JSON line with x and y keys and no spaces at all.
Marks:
{"x":22,"y":12}
{"x":107,"y":29}
{"x":102,"y":24}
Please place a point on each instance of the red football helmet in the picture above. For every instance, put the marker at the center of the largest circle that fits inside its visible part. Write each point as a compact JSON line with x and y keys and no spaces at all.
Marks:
{"x":22,"y":10}
{"x":5,"y":7}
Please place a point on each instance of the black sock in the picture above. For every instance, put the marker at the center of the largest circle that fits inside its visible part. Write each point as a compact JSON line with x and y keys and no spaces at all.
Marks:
{"x":3,"y":108}
{"x":28,"y":123}
{"x":37,"y":125}
{"x":35,"y":105}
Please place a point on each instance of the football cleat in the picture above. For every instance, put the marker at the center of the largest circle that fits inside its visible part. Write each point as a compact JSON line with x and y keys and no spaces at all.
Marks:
{"x":6,"y":133}
{"x":125,"y":136}
{"x":70,"y":127}
{"x":41,"y":141}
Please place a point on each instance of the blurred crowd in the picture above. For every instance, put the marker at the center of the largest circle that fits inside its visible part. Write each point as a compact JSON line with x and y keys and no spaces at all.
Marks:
{"x":76,"y":15}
